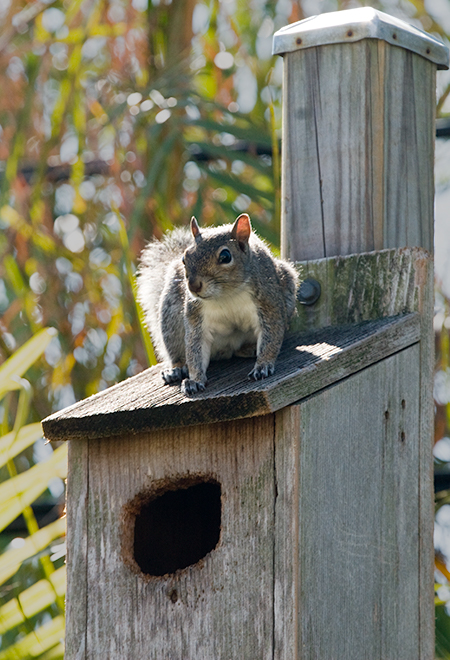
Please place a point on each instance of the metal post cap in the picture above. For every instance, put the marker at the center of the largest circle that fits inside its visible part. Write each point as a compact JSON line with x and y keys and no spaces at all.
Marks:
{"x":355,"y":24}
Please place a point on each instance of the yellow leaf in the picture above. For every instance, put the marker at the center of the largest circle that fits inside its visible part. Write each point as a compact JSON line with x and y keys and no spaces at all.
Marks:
{"x":22,"y":490}
{"x":44,"y":241}
{"x":32,"y":601}
{"x":79,"y":205}
{"x":23,"y":359}
{"x":10,"y":215}
{"x":11,"y":560}
{"x":36,"y":642}
{"x":26,"y":436}
{"x":56,"y":653}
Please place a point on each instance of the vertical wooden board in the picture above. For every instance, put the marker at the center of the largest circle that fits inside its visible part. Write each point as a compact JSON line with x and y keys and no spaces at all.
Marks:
{"x":288,"y":607}
{"x":301,"y":214}
{"x":359,"y":540}
{"x":425,"y":277}
{"x":220,"y":608}
{"x":77,"y":539}
{"x":410,"y":84}
{"x":357,"y":150}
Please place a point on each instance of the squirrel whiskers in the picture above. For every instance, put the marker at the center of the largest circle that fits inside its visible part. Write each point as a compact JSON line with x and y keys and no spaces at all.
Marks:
{"x":211,"y":294}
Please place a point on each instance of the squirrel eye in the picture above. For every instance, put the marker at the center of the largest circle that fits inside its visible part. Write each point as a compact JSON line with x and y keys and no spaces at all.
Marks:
{"x":224,"y":256}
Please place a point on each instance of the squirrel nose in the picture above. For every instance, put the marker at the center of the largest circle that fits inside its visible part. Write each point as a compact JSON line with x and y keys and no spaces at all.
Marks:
{"x":195,"y":285}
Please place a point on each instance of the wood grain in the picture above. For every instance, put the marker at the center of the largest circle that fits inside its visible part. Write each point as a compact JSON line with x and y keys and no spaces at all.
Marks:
{"x":426,"y":462}
{"x":320,"y":539}
{"x":359,"y":541}
{"x":306,"y":364}
{"x":355,"y":289}
{"x":358,"y":150}
{"x":220,"y":608}
{"x":366,"y":286}
{"x":77,"y":497}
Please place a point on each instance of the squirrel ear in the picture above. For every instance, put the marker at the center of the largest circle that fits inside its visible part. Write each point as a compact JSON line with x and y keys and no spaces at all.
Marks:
{"x":195,"y":229}
{"x":241,"y":230}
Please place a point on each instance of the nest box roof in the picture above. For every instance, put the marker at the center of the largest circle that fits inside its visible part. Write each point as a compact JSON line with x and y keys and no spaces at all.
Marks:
{"x":308,"y":362}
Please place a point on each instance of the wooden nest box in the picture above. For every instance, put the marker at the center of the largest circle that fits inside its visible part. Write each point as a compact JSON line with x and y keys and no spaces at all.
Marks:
{"x":291,"y":517}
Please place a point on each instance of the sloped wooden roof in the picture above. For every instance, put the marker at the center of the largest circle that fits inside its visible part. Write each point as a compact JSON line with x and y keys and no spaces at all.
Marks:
{"x":307,"y":363}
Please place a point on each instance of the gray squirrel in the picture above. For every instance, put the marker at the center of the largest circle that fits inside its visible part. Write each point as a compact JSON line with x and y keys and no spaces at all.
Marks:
{"x":211,"y":294}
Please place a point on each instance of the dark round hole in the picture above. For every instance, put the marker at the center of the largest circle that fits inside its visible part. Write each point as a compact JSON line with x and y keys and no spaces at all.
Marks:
{"x":177,"y":528}
{"x":298,"y":41}
{"x":350,"y":33}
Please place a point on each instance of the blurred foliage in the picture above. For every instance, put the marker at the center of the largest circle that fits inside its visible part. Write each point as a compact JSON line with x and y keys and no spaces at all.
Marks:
{"x":118,"y":120}
{"x":32,"y":575}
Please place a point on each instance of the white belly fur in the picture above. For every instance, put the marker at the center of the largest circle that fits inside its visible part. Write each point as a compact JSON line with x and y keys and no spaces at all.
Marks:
{"x":230,"y":322}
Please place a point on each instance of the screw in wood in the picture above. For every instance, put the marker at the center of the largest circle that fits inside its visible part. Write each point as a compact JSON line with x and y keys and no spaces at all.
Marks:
{"x":309,"y":292}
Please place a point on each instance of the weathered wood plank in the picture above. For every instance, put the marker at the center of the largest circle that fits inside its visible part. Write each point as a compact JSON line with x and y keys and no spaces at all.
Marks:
{"x":358,"y":137}
{"x":288,"y":607}
{"x":221,"y":607}
{"x":307,"y":363}
{"x":365,"y":286}
{"x":77,"y":496}
{"x":359,"y":542}
{"x":354,"y":288}
{"x":426,"y":490}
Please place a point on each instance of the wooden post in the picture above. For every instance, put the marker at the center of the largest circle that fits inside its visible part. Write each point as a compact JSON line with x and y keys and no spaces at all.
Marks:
{"x":358,"y":134}
{"x":357,"y":176}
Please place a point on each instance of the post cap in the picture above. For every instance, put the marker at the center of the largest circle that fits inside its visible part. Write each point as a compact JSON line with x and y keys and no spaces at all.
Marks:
{"x":355,"y":24}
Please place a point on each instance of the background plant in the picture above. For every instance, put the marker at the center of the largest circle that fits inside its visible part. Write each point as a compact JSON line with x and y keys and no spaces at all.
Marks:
{"x":118,"y":120}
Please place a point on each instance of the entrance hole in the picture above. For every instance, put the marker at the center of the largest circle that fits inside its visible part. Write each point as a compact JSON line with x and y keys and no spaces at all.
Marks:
{"x":177,"y":528}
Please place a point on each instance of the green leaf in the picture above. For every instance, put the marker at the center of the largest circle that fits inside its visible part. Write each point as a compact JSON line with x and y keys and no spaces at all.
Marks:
{"x":217,"y":151}
{"x":247,"y":133}
{"x":236,"y":184}
{"x":14,"y":275}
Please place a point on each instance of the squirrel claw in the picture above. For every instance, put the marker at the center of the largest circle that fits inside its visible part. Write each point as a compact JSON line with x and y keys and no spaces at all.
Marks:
{"x":174,"y":375}
{"x":262,"y":371}
{"x":189,"y":387}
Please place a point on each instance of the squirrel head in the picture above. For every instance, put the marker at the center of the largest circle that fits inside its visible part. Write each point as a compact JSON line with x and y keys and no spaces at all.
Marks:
{"x":218,"y":262}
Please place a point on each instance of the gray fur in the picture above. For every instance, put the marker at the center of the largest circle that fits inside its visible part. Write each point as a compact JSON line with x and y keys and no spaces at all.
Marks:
{"x":206,"y":309}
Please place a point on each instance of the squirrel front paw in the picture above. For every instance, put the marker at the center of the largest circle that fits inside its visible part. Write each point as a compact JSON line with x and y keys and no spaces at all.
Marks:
{"x":175,"y":375}
{"x":262,"y":371}
{"x":189,"y":387}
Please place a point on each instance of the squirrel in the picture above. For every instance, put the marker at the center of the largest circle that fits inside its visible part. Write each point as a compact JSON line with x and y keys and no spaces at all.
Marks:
{"x":212,"y":294}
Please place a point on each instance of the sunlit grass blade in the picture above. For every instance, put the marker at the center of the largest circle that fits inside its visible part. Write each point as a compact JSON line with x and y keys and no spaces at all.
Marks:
{"x":131,"y":278}
{"x":23,"y":359}
{"x":10,"y":445}
{"x":56,"y":653}
{"x":21,"y":491}
{"x":12,"y":559}
{"x":32,"y":601}
{"x":36,"y":642}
